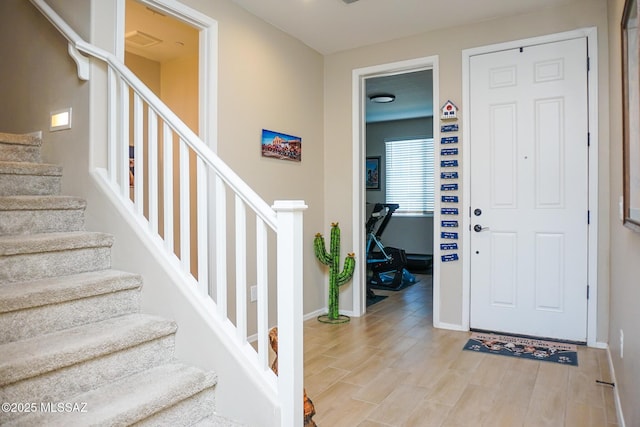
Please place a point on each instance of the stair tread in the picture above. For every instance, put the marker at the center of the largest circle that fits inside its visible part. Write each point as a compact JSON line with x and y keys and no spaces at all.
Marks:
{"x":29,"y":168}
{"x":131,"y":399}
{"x":36,"y":293}
{"x":33,"y":139}
{"x":51,"y":242}
{"x":15,"y":203}
{"x":38,"y":355}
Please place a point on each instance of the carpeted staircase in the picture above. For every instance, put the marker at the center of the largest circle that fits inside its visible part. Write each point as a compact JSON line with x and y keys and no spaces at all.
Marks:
{"x":74,"y":347}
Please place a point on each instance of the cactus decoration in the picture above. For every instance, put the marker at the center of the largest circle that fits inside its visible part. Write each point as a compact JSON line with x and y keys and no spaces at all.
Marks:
{"x":336,"y":278}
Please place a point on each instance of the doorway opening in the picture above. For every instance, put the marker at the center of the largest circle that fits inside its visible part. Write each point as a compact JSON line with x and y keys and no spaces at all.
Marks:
{"x":164,"y":53}
{"x":379,"y":129}
{"x":170,"y":33}
{"x":172,"y":50}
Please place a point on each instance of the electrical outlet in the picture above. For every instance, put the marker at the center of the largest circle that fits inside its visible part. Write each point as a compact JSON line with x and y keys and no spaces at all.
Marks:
{"x":621,"y":344}
{"x":254,"y":293}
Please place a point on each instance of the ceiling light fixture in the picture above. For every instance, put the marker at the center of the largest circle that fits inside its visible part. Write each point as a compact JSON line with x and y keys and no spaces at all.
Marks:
{"x":382,"y":98}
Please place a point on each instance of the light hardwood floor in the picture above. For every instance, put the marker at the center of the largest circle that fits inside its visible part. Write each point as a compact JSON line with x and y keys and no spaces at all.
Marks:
{"x":392,"y":368}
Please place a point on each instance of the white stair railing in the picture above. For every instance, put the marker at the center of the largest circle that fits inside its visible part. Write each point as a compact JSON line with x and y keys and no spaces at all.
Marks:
{"x":174,"y":174}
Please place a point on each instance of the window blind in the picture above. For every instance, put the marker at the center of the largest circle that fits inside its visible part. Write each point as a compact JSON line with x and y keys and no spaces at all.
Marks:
{"x":409,"y":166}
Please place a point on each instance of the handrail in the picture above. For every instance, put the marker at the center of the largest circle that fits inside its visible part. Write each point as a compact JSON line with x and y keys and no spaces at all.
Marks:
{"x":226,"y":173}
{"x":284,"y":219}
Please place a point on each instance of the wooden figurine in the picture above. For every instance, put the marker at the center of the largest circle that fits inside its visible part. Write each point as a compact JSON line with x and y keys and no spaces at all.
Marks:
{"x":309,"y":409}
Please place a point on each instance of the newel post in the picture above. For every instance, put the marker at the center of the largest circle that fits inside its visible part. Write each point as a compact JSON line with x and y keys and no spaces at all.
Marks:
{"x":290,"y":357}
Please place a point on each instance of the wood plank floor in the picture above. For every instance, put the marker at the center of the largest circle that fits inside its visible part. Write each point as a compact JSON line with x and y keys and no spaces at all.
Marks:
{"x":392,"y":368}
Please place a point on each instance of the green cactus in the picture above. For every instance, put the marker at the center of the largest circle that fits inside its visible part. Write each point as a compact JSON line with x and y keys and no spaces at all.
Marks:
{"x":336,"y":278}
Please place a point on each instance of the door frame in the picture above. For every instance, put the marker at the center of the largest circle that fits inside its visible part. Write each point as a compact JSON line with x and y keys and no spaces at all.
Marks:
{"x":590,"y":33}
{"x":359,"y":75}
{"x":207,"y":59}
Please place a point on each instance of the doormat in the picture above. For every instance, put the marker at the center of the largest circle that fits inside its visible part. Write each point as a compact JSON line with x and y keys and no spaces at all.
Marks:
{"x":525,"y":348}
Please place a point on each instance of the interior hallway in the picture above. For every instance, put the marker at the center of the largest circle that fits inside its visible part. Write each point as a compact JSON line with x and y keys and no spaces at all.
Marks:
{"x":392,"y":368}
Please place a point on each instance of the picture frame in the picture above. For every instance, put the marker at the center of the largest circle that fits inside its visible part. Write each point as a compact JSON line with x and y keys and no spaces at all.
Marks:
{"x":281,"y":146}
{"x":631,"y":115}
{"x":372,"y":173}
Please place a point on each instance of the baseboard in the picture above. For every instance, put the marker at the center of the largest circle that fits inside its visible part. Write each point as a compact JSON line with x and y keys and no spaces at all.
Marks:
{"x":314,"y":314}
{"x":616,"y":395}
{"x":450,"y":326}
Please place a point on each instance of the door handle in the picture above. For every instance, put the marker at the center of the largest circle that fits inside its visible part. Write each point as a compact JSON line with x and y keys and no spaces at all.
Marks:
{"x":478,"y":228}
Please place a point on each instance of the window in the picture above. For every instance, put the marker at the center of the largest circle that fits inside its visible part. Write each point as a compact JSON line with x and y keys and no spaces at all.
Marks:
{"x":409,"y":175}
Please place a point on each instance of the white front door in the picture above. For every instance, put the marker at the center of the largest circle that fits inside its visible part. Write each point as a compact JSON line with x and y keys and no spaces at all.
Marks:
{"x":529,"y":190}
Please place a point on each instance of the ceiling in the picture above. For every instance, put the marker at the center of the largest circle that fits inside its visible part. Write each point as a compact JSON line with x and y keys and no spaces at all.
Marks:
{"x":155,"y":36}
{"x":413,"y":92}
{"x":330,"y":26}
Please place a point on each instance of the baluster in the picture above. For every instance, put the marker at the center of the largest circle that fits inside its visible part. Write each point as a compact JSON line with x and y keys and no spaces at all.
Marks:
{"x":262,"y":279}
{"x":167,"y":167}
{"x":124,"y":140}
{"x":241,"y":270}
{"x":185,"y":208}
{"x":112,"y":126}
{"x":152,"y":147}
{"x":202,"y":199}
{"x":221,"y":248}
{"x":138,"y":148}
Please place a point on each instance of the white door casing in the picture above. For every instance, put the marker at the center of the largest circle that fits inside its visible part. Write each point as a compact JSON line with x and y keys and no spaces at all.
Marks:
{"x":528,"y":134}
{"x":358,"y":78}
{"x":207,"y":59}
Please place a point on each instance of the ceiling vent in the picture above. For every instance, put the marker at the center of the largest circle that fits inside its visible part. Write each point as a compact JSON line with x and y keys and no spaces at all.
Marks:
{"x":140,"y":39}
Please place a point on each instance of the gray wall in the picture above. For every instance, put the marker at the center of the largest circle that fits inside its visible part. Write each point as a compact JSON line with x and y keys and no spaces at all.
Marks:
{"x":37,"y":77}
{"x":413,"y":234}
{"x":624,"y":249}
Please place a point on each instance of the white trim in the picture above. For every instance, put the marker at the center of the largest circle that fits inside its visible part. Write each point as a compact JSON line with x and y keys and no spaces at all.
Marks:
{"x":592,"y":79}
{"x":314,"y":314}
{"x":591,"y":35}
{"x":119,"y":30}
{"x":348,"y":313}
{"x":82,"y":63}
{"x":449,"y":326}
{"x":359,"y":75}
{"x":208,"y":59}
{"x":616,"y":395}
